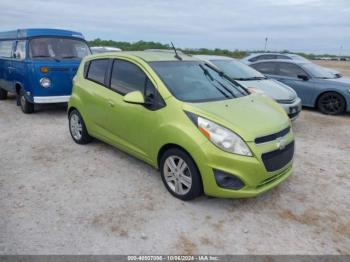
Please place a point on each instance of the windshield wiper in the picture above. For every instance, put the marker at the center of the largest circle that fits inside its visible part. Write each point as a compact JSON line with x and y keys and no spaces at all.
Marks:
{"x":208,"y":75}
{"x":222,"y":74}
{"x":250,"y":78}
{"x":45,"y":56}
{"x":67,"y":57}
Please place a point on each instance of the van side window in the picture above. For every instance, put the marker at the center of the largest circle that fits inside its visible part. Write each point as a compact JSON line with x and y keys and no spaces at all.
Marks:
{"x":97,"y":70}
{"x":127,"y":77}
{"x":20,"y":51}
{"x":6,"y":48}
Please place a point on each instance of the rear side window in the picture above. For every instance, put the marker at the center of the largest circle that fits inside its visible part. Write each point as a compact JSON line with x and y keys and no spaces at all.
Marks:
{"x":290,"y":70}
{"x":265,"y":67}
{"x":127,"y":77}
{"x":97,"y":70}
{"x":6,"y":48}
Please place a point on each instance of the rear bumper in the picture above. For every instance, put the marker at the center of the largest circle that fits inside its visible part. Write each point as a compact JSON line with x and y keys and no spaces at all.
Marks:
{"x":50,"y":99}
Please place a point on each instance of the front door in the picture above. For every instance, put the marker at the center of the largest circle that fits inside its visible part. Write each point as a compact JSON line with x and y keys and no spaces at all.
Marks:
{"x":132,"y":125}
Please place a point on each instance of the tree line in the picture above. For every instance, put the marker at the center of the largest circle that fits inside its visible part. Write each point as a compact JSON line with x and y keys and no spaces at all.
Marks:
{"x":143,"y":45}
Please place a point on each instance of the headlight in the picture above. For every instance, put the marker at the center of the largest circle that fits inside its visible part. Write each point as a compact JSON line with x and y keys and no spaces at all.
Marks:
{"x":45,"y":82}
{"x":221,"y":136}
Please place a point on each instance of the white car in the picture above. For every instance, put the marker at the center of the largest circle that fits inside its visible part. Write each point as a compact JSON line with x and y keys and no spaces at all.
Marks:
{"x":104,"y":49}
{"x":257,"y":82}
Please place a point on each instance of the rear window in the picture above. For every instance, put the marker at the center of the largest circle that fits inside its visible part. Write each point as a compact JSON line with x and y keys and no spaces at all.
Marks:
{"x":97,"y":70}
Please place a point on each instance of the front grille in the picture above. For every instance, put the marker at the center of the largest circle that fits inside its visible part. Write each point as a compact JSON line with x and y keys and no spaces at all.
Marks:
{"x":268,"y":138}
{"x":293,"y":115}
{"x":286,"y":101}
{"x":277,"y":159}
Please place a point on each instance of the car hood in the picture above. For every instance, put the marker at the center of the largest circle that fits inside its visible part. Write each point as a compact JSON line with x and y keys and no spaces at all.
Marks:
{"x":272,"y":88}
{"x":340,"y":80}
{"x":250,"y":117}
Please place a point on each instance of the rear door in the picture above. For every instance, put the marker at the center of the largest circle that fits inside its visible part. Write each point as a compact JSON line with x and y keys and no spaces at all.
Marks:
{"x":96,"y":94}
{"x":6,"y":66}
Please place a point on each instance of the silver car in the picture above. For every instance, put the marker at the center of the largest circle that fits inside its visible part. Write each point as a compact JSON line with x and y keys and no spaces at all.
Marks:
{"x":257,"y":82}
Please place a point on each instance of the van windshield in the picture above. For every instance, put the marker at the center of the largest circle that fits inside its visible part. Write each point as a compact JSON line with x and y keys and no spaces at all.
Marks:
{"x":57,"y":48}
{"x":193,"y":81}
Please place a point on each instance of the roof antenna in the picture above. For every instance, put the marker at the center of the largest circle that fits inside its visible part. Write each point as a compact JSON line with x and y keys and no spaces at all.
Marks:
{"x":176,"y":54}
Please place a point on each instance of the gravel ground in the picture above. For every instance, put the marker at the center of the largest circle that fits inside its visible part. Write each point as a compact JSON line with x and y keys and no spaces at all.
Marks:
{"x":57,"y":197}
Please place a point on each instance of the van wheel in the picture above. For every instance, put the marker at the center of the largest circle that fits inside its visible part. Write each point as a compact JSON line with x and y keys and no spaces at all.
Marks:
{"x":26,"y":106}
{"x":331,"y":103}
{"x":78,"y":129}
{"x":3,"y":94}
{"x":180,"y":174}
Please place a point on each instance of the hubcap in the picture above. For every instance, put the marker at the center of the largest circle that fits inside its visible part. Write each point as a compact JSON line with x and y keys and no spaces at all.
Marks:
{"x":332,"y":104}
{"x":177,"y":175}
{"x":23,"y":101}
{"x":76,"y":127}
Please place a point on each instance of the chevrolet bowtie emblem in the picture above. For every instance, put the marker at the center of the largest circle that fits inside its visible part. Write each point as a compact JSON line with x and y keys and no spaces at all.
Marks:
{"x":281,"y":143}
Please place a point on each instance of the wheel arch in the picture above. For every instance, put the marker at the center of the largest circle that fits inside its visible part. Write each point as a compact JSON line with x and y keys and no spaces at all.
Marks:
{"x":330,"y":91}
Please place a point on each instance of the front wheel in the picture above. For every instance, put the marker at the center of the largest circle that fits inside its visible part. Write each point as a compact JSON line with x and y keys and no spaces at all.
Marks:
{"x":180,"y":174}
{"x":26,"y":106}
{"x":78,"y":129}
{"x":331,"y":103}
{"x":3,"y":94}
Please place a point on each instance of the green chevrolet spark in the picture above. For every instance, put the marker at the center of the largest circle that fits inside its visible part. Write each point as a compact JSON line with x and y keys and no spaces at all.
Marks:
{"x":202,"y":130}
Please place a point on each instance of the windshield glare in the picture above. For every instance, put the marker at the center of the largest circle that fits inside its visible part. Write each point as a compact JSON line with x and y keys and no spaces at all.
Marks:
{"x":318,"y":71}
{"x":58,"y":48}
{"x":192,"y":81}
{"x":237,"y":70}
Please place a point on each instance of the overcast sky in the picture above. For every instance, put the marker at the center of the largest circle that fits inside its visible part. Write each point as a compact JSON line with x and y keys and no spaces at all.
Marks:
{"x":318,"y":26}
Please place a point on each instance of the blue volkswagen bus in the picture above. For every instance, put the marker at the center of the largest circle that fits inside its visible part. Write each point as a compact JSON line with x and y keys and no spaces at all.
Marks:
{"x":38,"y":65}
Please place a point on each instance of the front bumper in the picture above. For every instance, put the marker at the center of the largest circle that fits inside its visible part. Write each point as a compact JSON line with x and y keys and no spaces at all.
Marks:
{"x":293,"y":109}
{"x":50,"y":99}
{"x":251,"y":170}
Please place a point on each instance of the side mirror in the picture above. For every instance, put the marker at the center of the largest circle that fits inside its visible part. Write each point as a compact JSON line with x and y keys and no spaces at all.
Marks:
{"x":303,"y":77}
{"x":135,"y":97}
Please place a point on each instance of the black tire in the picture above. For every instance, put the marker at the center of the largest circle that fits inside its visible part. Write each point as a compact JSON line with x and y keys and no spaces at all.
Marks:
{"x":331,"y":103}
{"x":26,"y":106}
{"x":83,"y":137}
{"x":196,"y":188}
{"x":3,"y":94}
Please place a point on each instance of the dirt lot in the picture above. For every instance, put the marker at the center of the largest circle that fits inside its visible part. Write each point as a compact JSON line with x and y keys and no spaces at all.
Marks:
{"x":341,"y":66}
{"x":57,"y":197}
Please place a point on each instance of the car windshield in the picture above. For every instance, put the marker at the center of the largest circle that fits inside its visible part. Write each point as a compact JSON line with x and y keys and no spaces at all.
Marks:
{"x":58,"y":48}
{"x":238,"y":70}
{"x":318,"y":71}
{"x":193,"y":81}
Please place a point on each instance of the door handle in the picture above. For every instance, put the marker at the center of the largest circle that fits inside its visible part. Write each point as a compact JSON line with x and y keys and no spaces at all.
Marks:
{"x":111,"y":103}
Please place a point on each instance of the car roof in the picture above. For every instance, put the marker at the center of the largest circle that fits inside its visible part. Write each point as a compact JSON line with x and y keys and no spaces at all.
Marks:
{"x":148,"y":56}
{"x":33,"y":32}
{"x":214,"y":57}
{"x":280,"y":60}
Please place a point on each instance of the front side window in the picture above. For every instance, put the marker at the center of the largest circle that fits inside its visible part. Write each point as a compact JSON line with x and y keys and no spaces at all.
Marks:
{"x":6,"y":48}
{"x":97,"y":70}
{"x":237,"y":70}
{"x":127,"y":77}
{"x":193,"y":81}
{"x":265,"y":68}
{"x":58,"y":48}
{"x":290,"y":70}
{"x":20,"y":51}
